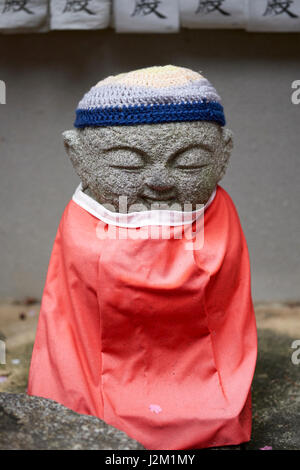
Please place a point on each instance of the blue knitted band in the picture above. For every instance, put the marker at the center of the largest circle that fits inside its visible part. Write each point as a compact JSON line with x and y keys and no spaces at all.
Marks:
{"x":151,"y":114}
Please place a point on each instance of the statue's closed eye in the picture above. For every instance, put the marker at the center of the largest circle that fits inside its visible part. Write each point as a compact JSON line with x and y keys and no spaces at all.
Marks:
{"x":124,"y":158}
{"x":130,"y":159}
{"x":193,"y":158}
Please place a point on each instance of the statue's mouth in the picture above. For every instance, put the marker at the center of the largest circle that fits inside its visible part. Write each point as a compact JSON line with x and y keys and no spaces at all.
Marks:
{"x":159,"y":199}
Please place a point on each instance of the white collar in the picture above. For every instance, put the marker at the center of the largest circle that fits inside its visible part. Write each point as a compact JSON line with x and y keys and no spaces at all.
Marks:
{"x":138,"y":219}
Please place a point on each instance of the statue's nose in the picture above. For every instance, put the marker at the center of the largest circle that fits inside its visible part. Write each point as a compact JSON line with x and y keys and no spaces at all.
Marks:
{"x":159,"y":183}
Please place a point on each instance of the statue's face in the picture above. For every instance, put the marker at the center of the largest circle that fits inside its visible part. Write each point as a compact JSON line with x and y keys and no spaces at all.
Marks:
{"x":156,"y":166}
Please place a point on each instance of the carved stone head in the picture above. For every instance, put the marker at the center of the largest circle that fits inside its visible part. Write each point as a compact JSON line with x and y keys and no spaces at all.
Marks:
{"x":154,"y":135}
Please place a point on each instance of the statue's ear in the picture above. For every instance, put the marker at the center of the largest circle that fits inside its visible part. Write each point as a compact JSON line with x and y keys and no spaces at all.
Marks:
{"x":228,"y":142}
{"x":227,"y":137}
{"x":72,"y":143}
{"x":74,"y":148}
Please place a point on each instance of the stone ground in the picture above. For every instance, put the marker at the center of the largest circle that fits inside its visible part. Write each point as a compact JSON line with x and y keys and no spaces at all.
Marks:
{"x":276,"y":389}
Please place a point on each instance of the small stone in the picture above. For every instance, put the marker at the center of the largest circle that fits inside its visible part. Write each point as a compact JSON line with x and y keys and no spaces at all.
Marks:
{"x":15,"y":361}
{"x":30,"y":300}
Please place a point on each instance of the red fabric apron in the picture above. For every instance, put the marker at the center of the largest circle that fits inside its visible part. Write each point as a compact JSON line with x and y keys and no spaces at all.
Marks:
{"x":154,"y":339}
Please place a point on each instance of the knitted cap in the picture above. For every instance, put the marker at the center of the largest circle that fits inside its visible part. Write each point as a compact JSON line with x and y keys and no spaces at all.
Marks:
{"x":149,"y":96}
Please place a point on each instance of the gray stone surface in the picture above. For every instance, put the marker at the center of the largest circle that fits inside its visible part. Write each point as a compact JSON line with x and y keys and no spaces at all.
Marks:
{"x":276,"y":394}
{"x":165,"y":166}
{"x":36,"y":423}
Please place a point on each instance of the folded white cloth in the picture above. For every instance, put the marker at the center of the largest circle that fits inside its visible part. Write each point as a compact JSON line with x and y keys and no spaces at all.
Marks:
{"x":80,"y":14}
{"x":146,"y":16}
{"x":274,"y":15}
{"x":213,"y":14}
{"x":22,"y":15}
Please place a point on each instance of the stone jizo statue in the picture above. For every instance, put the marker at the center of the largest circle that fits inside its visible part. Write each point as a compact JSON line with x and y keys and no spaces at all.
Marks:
{"x":153,"y":334}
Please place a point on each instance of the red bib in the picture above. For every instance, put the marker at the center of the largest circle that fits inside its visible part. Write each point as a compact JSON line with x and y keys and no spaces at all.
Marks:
{"x":156,"y":340}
